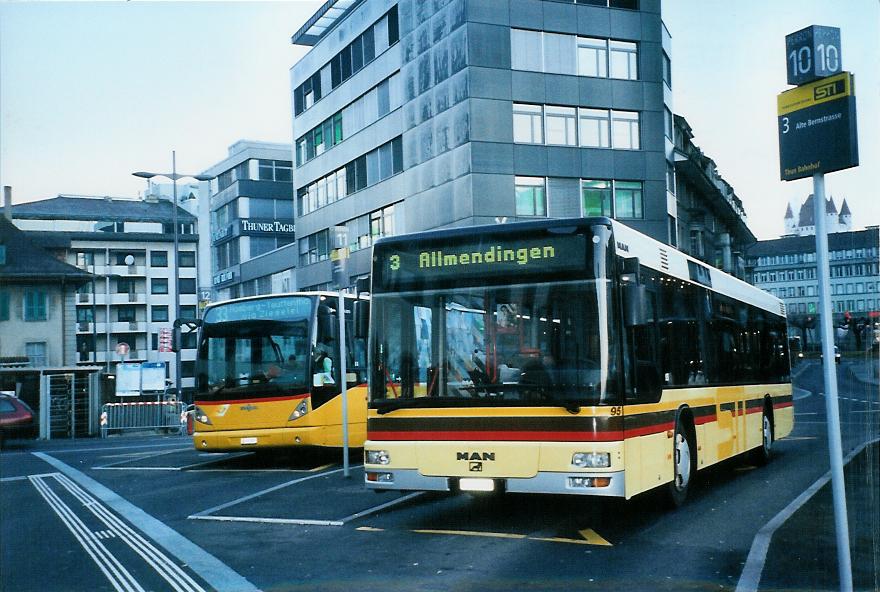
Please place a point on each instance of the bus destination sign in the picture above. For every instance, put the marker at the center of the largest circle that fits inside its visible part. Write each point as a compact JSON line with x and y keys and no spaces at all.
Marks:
{"x":508,"y":256}
{"x":288,"y":308}
{"x":817,"y":128}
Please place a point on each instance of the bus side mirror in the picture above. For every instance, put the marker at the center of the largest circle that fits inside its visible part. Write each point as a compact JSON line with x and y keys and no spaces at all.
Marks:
{"x":361,"y":313}
{"x":634,"y":304}
{"x":175,"y":338}
{"x":176,"y":333}
{"x":328,"y":329}
{"x":362,"y":285}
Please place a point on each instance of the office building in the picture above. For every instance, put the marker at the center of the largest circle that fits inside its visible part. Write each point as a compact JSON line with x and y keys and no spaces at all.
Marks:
{"x":252,"y":248}
{"x":128,"y":247}
{"x":414,"y":115}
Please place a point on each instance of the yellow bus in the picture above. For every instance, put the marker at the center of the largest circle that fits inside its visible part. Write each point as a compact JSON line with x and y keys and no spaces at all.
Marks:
{"x":571,"y":356}
{"x":267,"y":373}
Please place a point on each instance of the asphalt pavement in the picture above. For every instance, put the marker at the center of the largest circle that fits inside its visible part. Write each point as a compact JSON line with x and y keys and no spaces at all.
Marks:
{"x":802,"y":553}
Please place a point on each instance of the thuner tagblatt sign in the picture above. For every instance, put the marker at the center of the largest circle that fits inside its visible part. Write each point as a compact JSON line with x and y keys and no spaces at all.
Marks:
{"x":817,"y":127}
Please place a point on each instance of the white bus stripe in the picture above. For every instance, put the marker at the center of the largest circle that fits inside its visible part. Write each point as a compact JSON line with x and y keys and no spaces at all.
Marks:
{"x":118,"y":576}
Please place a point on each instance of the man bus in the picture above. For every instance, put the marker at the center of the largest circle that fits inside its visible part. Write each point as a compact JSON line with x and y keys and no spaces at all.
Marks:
{"x":267,"y":373}
{"x":565,"y":356}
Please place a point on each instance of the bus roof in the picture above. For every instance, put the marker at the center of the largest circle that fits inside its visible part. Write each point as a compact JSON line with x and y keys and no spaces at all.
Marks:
{"x":628,"y":243}
{"x":321,"y":293}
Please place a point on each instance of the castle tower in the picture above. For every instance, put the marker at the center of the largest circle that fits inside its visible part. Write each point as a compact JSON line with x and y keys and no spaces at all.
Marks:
{"x":845,"y":217}
{"x":789,"y":220}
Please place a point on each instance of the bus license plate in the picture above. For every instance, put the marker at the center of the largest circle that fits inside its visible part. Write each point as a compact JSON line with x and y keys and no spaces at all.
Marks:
{"x":245,"y":441}
{"x":472,"y":484}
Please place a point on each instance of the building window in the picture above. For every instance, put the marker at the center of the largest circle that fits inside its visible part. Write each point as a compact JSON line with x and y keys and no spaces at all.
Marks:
{"x":187,"y":368}
{"x":625,"y":130}
{"x":159,"y":286}
{"x":594,"y":128}
{"x":527,"y":51}
{"x":314,"y":248}
{"x":624,"y":60}
{"x":618,"y":199}
{"x":667,"y":70}
{"x":187,"y":286}
{"x":35,"y":305}
{"x":596,"y":198}
{"x":187,"y":258}
{"x":4,"y":305}
{"x":667,"y":122}
{"x":158,"y":258}
{"x":628,"y":199}
{"x":36,"y":353}
{"x":126,"y":314}
{"x":559,"y":52}
{"x":670,"y":178}
{"x":159,"y":314}
{"x":84,"y":314}
{"x":84,"y":258}
{"x":530,"y":196}
{"x":189,"y":312}
{"x":561,"y":125}
{"x":592,"y":57}
{"x":527,"y":124}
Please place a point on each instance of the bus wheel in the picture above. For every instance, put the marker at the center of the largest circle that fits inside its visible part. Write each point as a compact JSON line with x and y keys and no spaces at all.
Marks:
{"x":684,"y":466}
{"x":762,"y":455}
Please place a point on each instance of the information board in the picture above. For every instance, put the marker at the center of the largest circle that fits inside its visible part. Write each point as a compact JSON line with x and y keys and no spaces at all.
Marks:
{"x":817,"y":128}
{"x":153,"y":376}
{"x":128,"y":379}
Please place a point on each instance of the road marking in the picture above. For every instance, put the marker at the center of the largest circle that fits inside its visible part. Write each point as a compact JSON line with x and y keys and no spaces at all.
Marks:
{"x":256,"y":519}
{"x":751,"y":574}
{"x":793,"y":438}
{"x":24,"y":477}
{"x":472,"y":533}
{"x":593,"y":538}
{"x":369,"y":529}
{"x":216,"y":573}
{"x":119,"y":577}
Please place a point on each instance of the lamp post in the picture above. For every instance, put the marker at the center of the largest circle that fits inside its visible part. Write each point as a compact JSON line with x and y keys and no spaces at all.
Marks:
{"x":174,"y":176}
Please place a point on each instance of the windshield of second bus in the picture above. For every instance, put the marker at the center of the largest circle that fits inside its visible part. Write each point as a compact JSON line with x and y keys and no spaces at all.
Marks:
{"x":544,"y":344}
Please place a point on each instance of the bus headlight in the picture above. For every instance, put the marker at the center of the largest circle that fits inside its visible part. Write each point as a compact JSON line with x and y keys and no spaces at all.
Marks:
{"x":300,"y":410}
{"x":200,"y":416}
{"x":591,"y":460}
{"x":378,"y":457}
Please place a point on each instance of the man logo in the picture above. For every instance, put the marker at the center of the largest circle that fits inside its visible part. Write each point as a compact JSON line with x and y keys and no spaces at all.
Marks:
{"x":475,"y":467}
{"x":248,"y":407}
{"x":474,"y":456}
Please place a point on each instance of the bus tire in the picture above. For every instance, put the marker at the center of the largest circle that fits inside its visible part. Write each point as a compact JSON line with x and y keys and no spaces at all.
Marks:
{"x":762,"y":454}
{"x":684,"y":463}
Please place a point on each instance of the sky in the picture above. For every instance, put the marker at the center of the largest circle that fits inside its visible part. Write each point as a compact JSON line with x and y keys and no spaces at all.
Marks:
{"x":92,"y":91}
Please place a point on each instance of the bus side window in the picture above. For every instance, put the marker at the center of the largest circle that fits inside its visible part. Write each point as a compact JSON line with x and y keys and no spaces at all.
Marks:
{"x":644,"y":343}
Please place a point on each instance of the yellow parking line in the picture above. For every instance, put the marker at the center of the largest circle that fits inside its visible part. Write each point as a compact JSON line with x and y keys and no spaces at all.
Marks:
{"x":498,"y":535}
{"x":593,"y":538}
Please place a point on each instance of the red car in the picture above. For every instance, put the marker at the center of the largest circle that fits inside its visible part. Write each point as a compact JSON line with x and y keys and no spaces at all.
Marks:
{"x":16,"y":418}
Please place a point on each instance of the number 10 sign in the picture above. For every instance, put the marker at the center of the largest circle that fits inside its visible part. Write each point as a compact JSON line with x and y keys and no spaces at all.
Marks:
{"x":812,"y":53}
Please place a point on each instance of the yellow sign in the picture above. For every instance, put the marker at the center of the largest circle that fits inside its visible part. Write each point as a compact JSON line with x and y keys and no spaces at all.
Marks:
{"x":815,"y":93}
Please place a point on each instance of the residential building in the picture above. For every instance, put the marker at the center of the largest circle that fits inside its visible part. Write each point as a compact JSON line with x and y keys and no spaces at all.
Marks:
{"x":128,"y":247}
{"x":711,"y":223}
{"x":37,"y":303}
{"x":412,"y":115}
{"x":252,"y":222}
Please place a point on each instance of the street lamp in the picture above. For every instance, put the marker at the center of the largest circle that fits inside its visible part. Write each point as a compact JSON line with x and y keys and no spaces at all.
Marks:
{"x":174,"y":176}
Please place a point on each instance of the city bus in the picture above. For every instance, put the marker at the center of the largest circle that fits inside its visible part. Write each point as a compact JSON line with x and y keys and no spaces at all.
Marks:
{"x":267,"y":373}
{"x":567,"y":356}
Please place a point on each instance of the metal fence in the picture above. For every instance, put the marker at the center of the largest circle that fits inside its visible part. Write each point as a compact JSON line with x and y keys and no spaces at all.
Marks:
{"x":143,"y":415}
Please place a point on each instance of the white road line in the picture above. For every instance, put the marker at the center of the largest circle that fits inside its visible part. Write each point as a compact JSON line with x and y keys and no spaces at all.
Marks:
{"x":259,"y":493}
{"x":751,"y":574}
{"x":217,"y":574}
{"x":381,"y":507}
{"x":170,"y":571}
{"x":141,"y":456}
{"x":24,"y":477}
{"x":118,"y":576}
{"x":297,"y":521}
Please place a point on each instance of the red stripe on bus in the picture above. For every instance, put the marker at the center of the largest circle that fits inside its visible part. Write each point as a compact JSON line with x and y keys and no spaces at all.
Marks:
{"x":261,"y":400}
{"x":501,"y":436}
{"x":781,"y":405}
{"x":652,"y":429}
{"x":705,"y":419}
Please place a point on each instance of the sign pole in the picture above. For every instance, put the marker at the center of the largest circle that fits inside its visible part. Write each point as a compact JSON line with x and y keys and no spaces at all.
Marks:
{"x":832,"y":410}
{"x":343,"y":383}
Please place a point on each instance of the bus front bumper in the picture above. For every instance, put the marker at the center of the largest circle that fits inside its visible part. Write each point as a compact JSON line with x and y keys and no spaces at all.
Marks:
{"x":234,"y":440}
{"x":380,"y":478}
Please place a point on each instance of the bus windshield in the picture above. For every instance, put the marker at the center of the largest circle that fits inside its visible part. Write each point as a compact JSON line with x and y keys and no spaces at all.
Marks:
{"x":243,"y":356}
{"x":551,"y":343}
